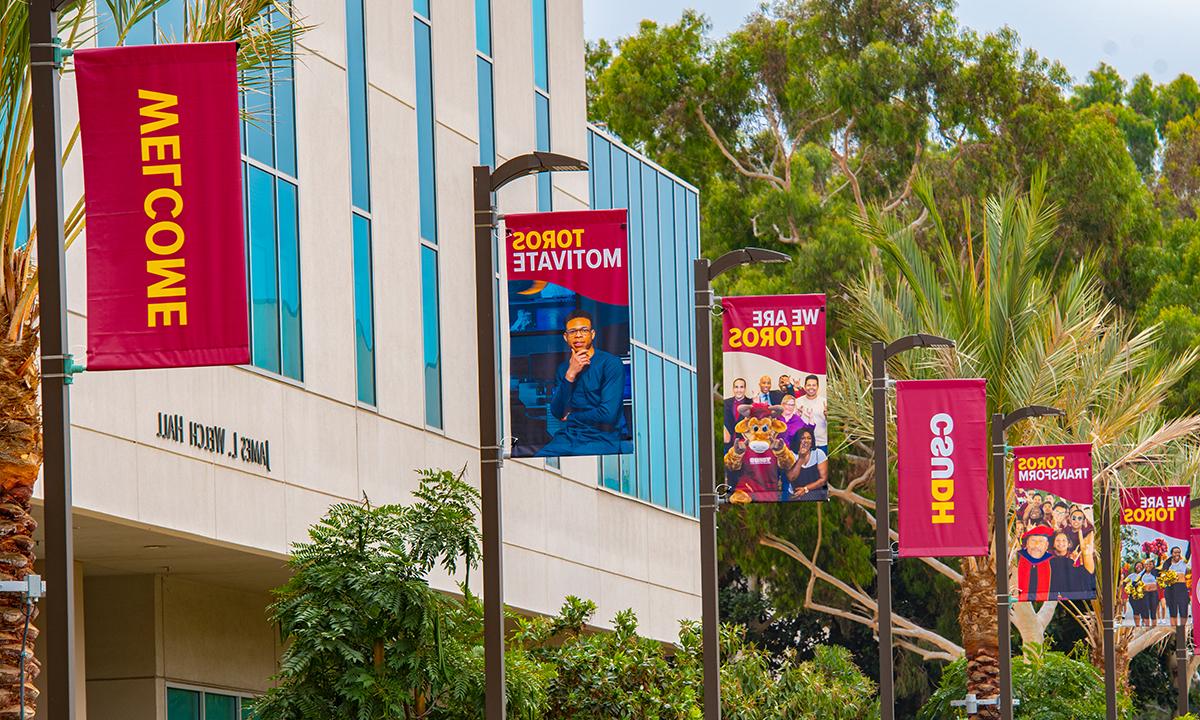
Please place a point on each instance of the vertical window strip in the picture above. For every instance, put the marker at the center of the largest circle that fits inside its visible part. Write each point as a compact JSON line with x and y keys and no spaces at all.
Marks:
{"x":364,"y":310}
{"x":487,"y":111}
{"x":541,"y":103}
{"x":427,"y":220}
{"x":360,"y":200}
{"x":356,"y":78}
{"x":541,"y":69}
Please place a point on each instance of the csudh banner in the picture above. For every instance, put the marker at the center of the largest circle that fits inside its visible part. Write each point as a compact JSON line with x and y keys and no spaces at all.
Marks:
{"x":166,"y":252}
{"x":941,"y":468}
{"x":1155,"y":568}
{"x":570,"y":385}
{"x":1055,"y":554}
{"x":776,"y":432}
{"x":1195,"y":546}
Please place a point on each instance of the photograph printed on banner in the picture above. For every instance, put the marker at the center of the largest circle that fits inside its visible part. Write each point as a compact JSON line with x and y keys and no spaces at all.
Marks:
{"x":1056,"y":558}
{"x":776,"y":431}
{"x":1155,"y":572}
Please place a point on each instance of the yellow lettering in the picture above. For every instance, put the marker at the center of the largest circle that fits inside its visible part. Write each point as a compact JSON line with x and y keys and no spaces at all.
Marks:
{"x":943,"y":513}
{"x":168,"y":227}
{"x":175,"y":171}
{"x":735,"y":338}
{"x":165,"y":311}
{"x":161,"y":145}
{"x":162,"y":268}
{"x":518,"y":240}
{"x":162,"y":101}
{"x":578,"y":237}
{"x":163,"y":194}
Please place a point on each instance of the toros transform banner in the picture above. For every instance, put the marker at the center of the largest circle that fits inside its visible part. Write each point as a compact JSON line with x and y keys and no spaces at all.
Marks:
{"x":775,"y":430}
{"x":166,"y":254}
{"x":941,"y":467}
{"x":1055,"y":556}
{"x":1155,"y":556}
{"x":568,"y":312}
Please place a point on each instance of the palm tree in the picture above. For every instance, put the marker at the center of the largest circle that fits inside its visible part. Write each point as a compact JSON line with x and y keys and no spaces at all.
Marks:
{"x":265,"y":32}
{"x":1038,"y":341}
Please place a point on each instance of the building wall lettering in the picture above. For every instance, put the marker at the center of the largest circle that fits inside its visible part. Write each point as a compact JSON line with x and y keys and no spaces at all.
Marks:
{"x":214,"y":439}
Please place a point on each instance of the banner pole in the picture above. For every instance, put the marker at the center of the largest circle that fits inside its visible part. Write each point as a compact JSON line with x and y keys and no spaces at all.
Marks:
{"x":1181,"y":663}
{"x":883,"y":545}
{"x":489,"y":450}
{"x":709,"y":582}
{"x":1000,"y":521}
{"x":1106,"y":611}
{"x":45,"y":62}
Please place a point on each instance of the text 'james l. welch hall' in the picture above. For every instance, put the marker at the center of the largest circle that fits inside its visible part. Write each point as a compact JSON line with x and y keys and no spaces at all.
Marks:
{"x":191,"y":484}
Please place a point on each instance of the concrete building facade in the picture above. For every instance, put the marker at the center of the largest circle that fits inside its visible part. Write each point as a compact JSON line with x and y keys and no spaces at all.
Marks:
{"x":190,"y":485}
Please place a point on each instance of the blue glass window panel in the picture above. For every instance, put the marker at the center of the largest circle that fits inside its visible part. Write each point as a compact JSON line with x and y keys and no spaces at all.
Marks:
{"x":22,"y":238}
{"x":260,"y":140}
{"x":672,"y":450}
{"x":356,"y":78}
{"x":183,"y":704}
{"x":553,"y":462}
{"x":431,"y":337}
{"x":658,"y":438}
{"x":620,"y":178}
{"x":627,"y":465}
{"x":487,"y":111}
{"x":541,"y":75}
{"x":289,"y":281}
{"x":637,"y":262}
{"x":106,"y":33}
{"x":285,"y":114}
{"x":364,"y":310}
{"x":669,"y":260}
{"x":426,"y":171}
{"x":591,"y":165}
{"x":541,"y":106}
{"x":422,"y":7}
{"x":142,"y":32}
{"x":641,"y":424}
{"x":610,"y":468}
{"x":483,"y":26}
{"x":692,"y":472}
{"x":693,"y":239}
{"x":169,"y":21}
{"x":220,"y":707}
{"x":602,"y":173}
{"x":650,"y":253}
{"x":683,"y":266}
{"x":264,"y":273}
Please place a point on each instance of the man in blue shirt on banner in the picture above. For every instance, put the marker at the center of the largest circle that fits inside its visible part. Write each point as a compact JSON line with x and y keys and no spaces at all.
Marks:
{"x":588,"y":393}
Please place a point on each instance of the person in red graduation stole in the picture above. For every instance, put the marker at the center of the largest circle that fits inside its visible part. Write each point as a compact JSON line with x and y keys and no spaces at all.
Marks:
{"x":1033,"y":564}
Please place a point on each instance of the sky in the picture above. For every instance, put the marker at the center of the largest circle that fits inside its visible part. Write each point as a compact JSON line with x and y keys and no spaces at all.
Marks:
{"x":1151,"y":36}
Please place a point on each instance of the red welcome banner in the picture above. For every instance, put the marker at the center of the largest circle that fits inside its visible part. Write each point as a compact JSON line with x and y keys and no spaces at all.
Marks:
{"x":166,"y":254}
{"x":1155,"y":556}
{"x":941,"y":467}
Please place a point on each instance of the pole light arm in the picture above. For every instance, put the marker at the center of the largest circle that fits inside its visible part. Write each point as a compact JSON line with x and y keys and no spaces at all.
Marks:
{"x":745,"y":256}
{"x":919,"y":340}
{"x":1029,"y":411}
{"x":532,"y":164}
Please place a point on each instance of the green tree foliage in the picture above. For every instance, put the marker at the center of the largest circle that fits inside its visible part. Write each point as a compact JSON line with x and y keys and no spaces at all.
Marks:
{"x":1051,"y":686}
{"x":367,"y":636}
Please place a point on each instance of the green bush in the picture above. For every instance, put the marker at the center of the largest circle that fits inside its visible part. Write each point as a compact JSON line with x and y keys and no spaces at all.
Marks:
{"x":1050,"y":686}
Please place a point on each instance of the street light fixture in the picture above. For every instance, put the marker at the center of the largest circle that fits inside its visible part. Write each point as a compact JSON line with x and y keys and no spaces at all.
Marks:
{"x":711,"y":611}
{"x":486,"y":183}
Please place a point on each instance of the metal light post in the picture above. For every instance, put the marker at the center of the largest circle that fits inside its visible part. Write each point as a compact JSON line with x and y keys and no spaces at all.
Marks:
{"x":46,"y":55}
{"x":880,"y":353}
{"x":1000,"y":425}
{"x":1106,"y":609}
{"x":711,"y":611}
{"x":486,"y":183}
{"x":1181,"y":661}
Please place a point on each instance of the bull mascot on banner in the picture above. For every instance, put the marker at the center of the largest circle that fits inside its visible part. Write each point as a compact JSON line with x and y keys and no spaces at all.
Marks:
{"x":759,"y":456}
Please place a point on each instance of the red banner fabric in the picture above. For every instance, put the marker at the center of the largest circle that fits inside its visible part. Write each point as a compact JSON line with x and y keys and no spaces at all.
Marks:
{"x":1155,"y":556}
{"x":1195,"y":543}
{"x":941,"y":467}
{"x":583,"y":251}
{"x":166,"y":253}
{"x":1054,"y":557}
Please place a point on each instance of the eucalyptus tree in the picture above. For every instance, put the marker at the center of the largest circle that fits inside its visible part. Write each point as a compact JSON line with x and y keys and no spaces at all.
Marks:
{"x":265,"y":32}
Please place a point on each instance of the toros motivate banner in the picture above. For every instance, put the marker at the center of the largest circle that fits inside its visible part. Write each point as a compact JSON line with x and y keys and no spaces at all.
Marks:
{"x":1055,"y":553}
{"x":571,"y":390}
{"x":166,"y":254}
{"x":941,"y":467}
{"x":776,"y":432}
{"x":1155,"y":556}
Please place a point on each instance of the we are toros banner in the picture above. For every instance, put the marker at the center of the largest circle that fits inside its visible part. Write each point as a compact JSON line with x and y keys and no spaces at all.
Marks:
{"x":571,"y":390}
{"x":1055,"y":556}
{"x":941,"y":467}
{"x":1195,"y":543}
{"x":166,"y":254}
{"x":1156,"y":556}
{"x":776,"y":432}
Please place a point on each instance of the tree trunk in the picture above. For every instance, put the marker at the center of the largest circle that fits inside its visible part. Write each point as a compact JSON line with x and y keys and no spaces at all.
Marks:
{"x":20,"y":460}
{"x":977,"y":619}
